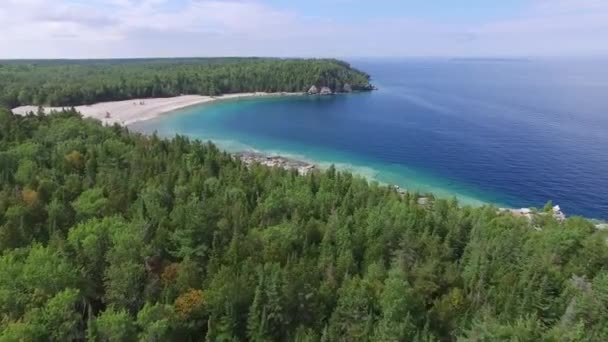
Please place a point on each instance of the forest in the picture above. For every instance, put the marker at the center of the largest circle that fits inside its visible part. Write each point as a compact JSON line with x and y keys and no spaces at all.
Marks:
{"x":71,"y":83}
{"x":110,"y":235}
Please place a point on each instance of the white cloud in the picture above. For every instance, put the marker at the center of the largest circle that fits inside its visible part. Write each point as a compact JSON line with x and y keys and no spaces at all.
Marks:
{"x":570,"y":6}
{"x":137,"y":28}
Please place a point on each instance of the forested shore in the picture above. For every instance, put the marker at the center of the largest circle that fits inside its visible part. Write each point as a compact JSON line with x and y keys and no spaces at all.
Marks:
{"x":71,"y":83}
{"x":109,"y":235}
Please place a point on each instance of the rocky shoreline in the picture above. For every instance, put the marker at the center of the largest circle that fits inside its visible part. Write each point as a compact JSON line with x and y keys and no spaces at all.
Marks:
{"x":345,"y":89}
{"x":251,"y":157}
{"x":529,"y":213}
{"x":304,"y":168}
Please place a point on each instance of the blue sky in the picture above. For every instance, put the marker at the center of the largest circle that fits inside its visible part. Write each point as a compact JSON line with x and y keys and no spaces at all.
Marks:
{"x":350,"y":10}
{"x":328,"y":28}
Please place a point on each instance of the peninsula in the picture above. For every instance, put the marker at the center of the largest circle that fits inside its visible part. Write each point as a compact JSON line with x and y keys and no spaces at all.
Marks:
{"x":85,"y":82}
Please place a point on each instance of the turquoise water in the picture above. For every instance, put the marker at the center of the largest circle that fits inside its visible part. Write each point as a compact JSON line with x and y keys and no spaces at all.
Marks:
{"x":205,"y":122}
{"x":510,"y":133}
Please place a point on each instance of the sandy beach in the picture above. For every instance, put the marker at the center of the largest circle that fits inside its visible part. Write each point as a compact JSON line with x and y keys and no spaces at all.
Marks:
{"x":134,"y":110}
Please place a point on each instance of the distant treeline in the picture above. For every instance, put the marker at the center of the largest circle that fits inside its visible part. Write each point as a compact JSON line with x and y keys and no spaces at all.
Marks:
{"x":77,"y":82}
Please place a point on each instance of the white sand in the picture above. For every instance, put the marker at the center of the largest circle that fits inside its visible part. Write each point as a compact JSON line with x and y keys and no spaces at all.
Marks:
{"x":130,"y":111}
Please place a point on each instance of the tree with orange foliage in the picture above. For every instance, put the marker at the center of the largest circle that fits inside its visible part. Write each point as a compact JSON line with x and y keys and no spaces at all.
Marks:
{"x":190,"y":305}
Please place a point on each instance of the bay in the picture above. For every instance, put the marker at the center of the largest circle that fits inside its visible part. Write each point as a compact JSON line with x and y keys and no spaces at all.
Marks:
{"x":514,"y":133}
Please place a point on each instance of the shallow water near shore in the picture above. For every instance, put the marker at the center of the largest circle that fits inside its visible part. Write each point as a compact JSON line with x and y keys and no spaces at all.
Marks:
{"x":510,"y":133}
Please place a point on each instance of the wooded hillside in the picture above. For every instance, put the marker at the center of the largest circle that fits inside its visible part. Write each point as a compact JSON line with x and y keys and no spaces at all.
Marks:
{"x":108,"y":235}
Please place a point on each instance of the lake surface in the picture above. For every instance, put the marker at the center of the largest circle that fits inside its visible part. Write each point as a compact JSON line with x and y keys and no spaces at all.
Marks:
{"x":512,"y":133}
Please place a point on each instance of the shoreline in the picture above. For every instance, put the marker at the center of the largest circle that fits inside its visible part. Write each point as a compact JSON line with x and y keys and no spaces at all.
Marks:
{"x":304,"y":167}
{"x":127,"y":112}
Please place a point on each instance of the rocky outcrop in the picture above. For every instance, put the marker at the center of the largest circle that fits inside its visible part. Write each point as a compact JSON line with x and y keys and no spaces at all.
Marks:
{"x":345,"y":88}
{"x":251,"y":158}
{"x":325,"y":91}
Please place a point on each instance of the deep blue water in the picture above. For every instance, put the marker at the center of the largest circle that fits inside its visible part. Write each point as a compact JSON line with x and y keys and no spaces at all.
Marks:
{"x":513,"y":133}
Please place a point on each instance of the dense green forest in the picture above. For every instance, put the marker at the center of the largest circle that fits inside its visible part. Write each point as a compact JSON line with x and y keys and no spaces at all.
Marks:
{"x":108,"y":235}
{"x":65,"y":83}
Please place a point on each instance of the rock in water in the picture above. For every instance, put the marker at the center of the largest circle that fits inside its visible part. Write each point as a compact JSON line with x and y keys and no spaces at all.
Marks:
{"x":313,"y":90}
{"x":325,"y":91}
{"x":348,"y":88}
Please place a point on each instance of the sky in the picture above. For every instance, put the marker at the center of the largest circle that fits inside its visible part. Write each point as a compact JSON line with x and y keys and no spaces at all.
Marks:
{"x":302,"y":28}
